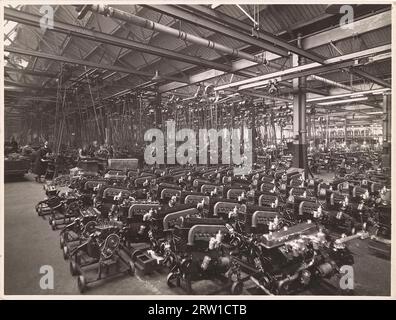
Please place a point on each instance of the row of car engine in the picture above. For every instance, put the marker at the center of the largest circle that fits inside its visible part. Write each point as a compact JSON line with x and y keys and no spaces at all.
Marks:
{"x":274,"y":227}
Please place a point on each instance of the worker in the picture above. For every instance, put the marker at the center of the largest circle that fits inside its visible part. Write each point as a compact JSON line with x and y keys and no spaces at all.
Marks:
{"x":111,"y":151}
{"x":83,"y":152}
{"x":41,"y":162}
{"x":93,"y":149}
{"x":13,"y":145}
{"x":102,"y":152}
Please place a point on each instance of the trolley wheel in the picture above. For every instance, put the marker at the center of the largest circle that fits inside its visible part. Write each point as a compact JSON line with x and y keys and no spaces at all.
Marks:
{"x":73,"y":268}
{"x":66,"y":252}
{"x":169,"y":280}
{"x":62,"y":241}
{"x":81,"y":283}
{"x":237,"y":288}
{"x":131,"y":270}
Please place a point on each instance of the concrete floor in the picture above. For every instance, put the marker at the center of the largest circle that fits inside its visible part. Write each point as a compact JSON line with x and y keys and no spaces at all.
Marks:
{"x":30,"y":244}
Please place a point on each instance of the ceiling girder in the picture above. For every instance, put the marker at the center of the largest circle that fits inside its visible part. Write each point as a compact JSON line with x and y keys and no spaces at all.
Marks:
{"x":81,"y":62}
{"x":65,"y":28}
{"x":361,"y":26}
{"x":261,"y":39}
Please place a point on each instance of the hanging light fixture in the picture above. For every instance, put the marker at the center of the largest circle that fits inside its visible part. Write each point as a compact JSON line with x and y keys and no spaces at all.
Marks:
{"x":156,"y":77}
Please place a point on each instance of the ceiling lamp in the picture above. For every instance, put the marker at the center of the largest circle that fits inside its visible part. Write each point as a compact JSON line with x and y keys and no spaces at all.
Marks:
{"x":156,"y":77}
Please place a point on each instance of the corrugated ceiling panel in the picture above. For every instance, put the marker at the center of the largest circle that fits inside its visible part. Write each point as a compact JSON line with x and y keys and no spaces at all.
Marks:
{"x":272,"y":24}
{"x":273,"y":20}
{"x":289,"y":15}
{"x":377,"y":37}
{"x":103,"y":24}
{"x":78,"y":47}
{"x":379,"y":69}
{"x":367,"y":40}
{"x":167,"y":66}
{"x":231,"y":10}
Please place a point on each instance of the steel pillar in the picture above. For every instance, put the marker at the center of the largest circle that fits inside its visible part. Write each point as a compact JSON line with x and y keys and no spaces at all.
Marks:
{"x":254,"y":132}
{"x":327,"y":130}
{"x":386,"y":131}
{"x":299,"y":117}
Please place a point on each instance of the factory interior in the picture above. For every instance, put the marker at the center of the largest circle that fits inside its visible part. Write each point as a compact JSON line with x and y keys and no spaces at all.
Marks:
{"x":197,"y":149}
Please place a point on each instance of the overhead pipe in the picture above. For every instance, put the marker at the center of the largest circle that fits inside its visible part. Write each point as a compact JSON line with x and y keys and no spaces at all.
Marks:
{"x":331,"y":82}
{"x":154,"y":26}
{"x":340,"y":62}
{"x":346,"y":95}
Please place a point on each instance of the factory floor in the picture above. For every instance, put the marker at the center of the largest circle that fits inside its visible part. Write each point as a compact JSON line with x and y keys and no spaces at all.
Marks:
{"x":30,"y":244}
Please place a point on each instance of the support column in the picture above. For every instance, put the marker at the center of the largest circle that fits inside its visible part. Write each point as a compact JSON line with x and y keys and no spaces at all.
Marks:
{"x":346,"y":131}
{"x":386,"y":131}
{"x":299,"y":117}
{"x":254,"y":132}
{"x":140,"y":110}
{"x":327,"y":131}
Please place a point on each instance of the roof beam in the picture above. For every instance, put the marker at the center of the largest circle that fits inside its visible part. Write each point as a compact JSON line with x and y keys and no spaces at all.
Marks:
{"x":69,"y":29}
{"x":374,"y":79}
{"x":80,"y":62}
{"x":308,"y":69}
{"x":358,"y":27}
{"x":174,"y":32}
{"x":289,"y":74}
{"x":270,"y":43}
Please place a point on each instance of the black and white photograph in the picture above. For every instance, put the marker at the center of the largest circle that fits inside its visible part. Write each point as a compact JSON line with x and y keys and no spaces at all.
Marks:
{"x":210,"y":149}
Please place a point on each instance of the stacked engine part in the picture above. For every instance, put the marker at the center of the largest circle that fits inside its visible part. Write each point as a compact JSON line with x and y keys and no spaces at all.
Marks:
{"x":288,"y":260}
{"x":276,"y":227}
